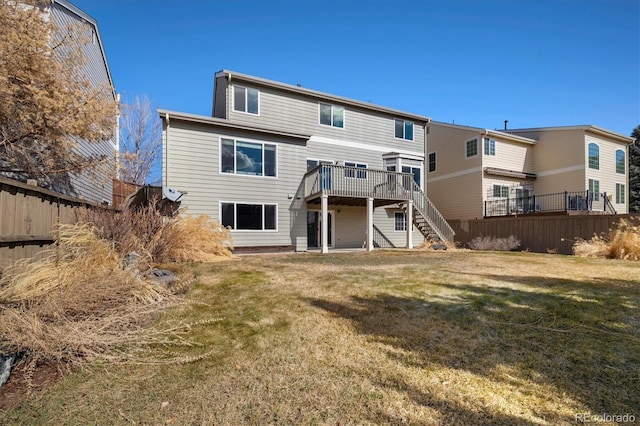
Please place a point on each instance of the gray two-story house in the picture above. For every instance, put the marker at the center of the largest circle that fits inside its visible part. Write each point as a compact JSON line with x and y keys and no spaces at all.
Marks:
{"x":288,"y":167}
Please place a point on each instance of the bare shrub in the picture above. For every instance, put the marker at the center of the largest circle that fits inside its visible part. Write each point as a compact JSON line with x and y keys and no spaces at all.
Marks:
{"x":622,"y":242}
{"x":183,"y":238}
{"x":75,"y":303}
{"x":196,"y":239}
{"x":494,"y":243}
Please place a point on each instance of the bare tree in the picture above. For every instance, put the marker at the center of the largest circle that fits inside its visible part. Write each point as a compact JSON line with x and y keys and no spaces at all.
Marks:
{"x":140,"y":140}
{"x":47,"y":105}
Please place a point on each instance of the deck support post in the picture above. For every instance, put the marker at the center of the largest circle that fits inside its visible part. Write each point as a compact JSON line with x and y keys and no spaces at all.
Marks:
{"x":324,"y":232}
{"x":369,"y":244}
{"x":409,"y":223}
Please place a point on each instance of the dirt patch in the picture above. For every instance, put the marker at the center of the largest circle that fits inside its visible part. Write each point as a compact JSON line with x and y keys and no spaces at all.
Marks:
{"x":23,"y":383}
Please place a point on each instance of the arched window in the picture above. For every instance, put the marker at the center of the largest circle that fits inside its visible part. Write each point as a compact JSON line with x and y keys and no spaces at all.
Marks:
{"x":620,"y":161}
{"x":594,"y":156}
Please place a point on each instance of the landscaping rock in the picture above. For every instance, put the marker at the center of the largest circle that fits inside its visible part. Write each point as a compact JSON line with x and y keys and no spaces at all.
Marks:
{"x":162,"y":277}
{"x":438,"y":247}
{"x":6,"y":364}
{"x":131,"y":260}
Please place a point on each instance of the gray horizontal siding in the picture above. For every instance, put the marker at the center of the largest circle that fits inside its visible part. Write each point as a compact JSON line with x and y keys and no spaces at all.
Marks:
{"x":299,"y":113}
{"x":94,"y":185}
{"x":192,"y":163}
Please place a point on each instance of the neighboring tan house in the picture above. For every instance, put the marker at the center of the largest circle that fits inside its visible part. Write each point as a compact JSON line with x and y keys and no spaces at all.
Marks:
{"x":475,"y":173}
{"x":95,"y":187}
{"x":293,"y":168}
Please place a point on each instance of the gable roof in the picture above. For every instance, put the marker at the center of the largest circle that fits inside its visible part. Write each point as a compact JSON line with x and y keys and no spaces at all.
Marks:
{"x":167,"y":116}
{"x":587,"y":128}
{"x":232,"y":75}
{"x":488,"y":132}
{"x":91,"y":21}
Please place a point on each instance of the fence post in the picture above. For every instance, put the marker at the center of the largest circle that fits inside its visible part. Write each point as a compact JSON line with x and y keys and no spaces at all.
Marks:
{"x":566,"y":201}
{"x":606,"y":200}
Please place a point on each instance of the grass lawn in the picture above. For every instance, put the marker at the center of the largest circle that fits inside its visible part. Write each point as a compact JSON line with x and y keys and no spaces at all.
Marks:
{"x":388,"y":337}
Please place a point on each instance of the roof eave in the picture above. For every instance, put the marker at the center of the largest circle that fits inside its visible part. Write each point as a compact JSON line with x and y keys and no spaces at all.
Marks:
{"x":322,"y":96}
{"x":203,"y":119}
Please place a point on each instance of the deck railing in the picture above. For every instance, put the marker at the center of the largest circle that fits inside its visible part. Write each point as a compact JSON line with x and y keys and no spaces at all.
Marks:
{"x":334,"y":180}
{"x":559,"y":202}
{"x":347,"y":181}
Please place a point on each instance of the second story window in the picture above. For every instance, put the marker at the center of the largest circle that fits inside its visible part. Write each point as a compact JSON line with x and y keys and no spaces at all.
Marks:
{"x":489,"y":146}
{"x":432,"y":162}
{"x":331,"y":115}
{"x":404,"y":129}
{"x":620,"y":163}
{"x":594,"y":156}
{"x":247,"y":158}
{"x":246,"y":100}
{"x":471,"y":148}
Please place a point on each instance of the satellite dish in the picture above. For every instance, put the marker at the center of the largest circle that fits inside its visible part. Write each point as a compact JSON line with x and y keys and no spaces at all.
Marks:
{"x":171,"y":194}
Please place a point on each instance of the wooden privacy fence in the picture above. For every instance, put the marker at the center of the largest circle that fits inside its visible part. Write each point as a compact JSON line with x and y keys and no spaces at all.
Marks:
{"x":540,"y":234}
{"x":27,"y":218}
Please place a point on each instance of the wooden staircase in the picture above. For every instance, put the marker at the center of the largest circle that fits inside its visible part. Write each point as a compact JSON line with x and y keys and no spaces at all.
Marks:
{"x":427,"y":218}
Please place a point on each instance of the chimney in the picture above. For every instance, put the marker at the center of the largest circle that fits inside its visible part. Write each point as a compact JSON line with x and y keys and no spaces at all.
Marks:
{"x":505,"y":124}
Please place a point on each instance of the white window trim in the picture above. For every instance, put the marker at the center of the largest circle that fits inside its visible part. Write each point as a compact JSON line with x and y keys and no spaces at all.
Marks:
{"x":477,"y":148}
{"x":246,"y":100}
{"x":491,"y":142}
{"x":356,"y":164}
{"x":263,"y":176}
{"x":593,"y":191}
{"x":321,"y":161}
{"x":624,"y":198}
{"x":404,"y":121}
{"x":404,"y":215}
{"x":344,"y":116}
{"x":625,"y":161}
{"x":235,"y":215}
{"x":599,"y":155}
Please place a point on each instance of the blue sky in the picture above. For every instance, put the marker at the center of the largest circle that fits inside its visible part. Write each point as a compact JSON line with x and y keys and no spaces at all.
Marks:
{"x":533,"y":62}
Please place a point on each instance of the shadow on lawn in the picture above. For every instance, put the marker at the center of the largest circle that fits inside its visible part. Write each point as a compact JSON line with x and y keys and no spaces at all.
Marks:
{"x":583,"y":339}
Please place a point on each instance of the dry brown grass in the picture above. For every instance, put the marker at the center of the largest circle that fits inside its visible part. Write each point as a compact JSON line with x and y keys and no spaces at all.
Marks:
{"x":389,"y":337}
{"x":622,"y":242}
{"x":159,"y":239}
{"x":491,"y":243}
{"x":76,"y":303}
{"x":197,"y":239}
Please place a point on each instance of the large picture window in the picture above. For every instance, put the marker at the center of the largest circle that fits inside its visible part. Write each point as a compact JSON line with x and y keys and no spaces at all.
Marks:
{"x":594,"y":156}
{"x":246,"y":100}
{"x":331,"y":115}
{"x":247,"y":158}
{"x":404,"y":129}
{"x":249,"y":217}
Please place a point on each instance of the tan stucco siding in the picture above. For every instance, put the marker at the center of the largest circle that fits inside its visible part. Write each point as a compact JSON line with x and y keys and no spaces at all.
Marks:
{"x":510,"y":156}
{"x":606,"y":173}
{"x":458,"y":197}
